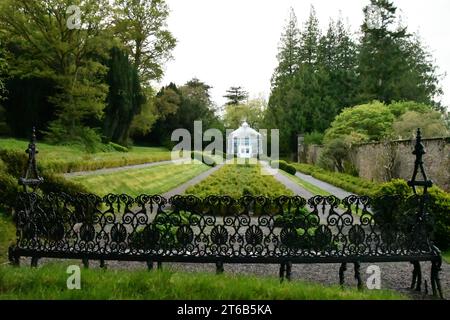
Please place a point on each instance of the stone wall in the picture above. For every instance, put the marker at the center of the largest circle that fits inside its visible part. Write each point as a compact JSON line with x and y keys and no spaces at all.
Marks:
{"x":382,"y":162}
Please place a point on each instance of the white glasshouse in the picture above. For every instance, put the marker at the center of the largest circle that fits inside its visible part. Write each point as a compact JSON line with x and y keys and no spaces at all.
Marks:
{"x":244,"y":142}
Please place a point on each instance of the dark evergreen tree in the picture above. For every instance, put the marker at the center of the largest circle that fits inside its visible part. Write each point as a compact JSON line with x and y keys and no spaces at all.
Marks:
{"x":235,"y":96}
{"x":124,"y":99}
{"x":393,"y":65}
{"x":288,"y":51}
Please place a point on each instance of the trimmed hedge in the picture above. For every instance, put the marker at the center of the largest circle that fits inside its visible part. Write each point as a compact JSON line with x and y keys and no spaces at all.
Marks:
{"x":12,"y":164}
{"x":283,"y":165}
{"x":209,"y":161}
{"x":347,"y":182}
{"x":438,"y":207}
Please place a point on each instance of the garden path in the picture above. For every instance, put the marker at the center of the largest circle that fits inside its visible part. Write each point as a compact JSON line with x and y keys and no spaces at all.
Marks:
{"x":338,"y":192}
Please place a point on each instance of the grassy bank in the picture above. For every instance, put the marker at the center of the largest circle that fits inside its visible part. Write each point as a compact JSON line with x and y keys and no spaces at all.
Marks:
{"x":237,"y":180}
{"x":7,"y":236}
{"x":49,"y":282}
{"x":151,"y":180}
{"x":61,"y":159}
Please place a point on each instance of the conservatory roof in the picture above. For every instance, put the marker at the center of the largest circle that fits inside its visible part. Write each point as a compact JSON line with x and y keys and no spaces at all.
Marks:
{"x":244,"y":131}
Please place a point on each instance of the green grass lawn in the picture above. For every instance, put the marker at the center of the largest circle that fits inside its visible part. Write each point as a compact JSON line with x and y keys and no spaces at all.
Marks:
{"x":306,"y":185}
{"x":239,"y":180}
{"x":151,"y":180}
{"x":60,"y":159}
{"x":49,"y":282}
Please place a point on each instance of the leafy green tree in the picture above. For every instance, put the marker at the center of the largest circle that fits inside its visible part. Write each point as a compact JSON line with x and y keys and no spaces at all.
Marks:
{"x":252,"y":112}
{"x":42,"y":46}
{"x":188,"y":103}
{"x":235,"y":96}
{"x":371,"y":122}
{"x":142,"y":27}
{"x":431,"y":123}
{"x":125,"y":98}
{"x":309,"y":40}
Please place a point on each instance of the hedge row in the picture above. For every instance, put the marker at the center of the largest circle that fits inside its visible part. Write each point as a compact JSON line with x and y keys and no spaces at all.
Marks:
{"x":345,"y":181}
{"x":439,"y":206}
{"x":65,"y":165}
{"x":203,"y":158}
{"x":12,"y":165}
{"x":283,"y":165}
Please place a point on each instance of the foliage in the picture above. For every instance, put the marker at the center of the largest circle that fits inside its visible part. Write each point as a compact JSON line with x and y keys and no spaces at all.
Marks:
{"x":203,"y":157}
{"x":183,"y":106}
{"x":347,"y":182}
{"x":125,"y":98}
{"x":393,"y":64}
{"x":372,"y":122}
{"x":438,"y":206}
{"x":142,"y":27}
{"x":235,"y":96}
{"x":252,"y":112}
{"x":283,"y":165}
{"x":431,"y":124}
{"x":237,"y":181}
{"x":313,"y":81}
{"x":46,"y":283}
{"x":43,"y":46}
{"x":314,"y":138}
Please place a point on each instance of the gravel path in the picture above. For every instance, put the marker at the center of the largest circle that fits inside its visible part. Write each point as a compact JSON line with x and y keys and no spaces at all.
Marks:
{"x":117,"y":169}
{"x":288,"y":183}
{"x":338,"y":192}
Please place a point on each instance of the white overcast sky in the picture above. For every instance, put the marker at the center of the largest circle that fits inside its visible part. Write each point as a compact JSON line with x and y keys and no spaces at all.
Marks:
{"x":235,"y":42}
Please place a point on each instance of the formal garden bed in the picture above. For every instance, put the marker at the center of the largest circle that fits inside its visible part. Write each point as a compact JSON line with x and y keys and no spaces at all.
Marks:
{"x":153,"y":180}
{"x":237,"y":180}
{"x":62,"y":159}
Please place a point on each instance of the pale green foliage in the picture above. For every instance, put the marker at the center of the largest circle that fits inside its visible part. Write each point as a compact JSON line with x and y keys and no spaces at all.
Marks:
{"x":252,"y":112}
{"x":369,"y":122}
{"x":141,"y":26}
{"x":431,"y":123}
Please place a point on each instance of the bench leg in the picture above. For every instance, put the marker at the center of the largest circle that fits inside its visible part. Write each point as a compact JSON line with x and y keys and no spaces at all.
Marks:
{"x":159,"y":265}
{"x":150,"y":265}
{"x":85,"y":262}
{"x":34,"y":262}
{"x":416,"y":276}
{"x":102,"y":264}
{"x":219,"y":267}
{"x":358,"y":275}
{"x":288,"y":271}
{"x":342,"y":270}
{"x":435,"y":280}
{"x":282,"y":271}
{"x":13,"y":258}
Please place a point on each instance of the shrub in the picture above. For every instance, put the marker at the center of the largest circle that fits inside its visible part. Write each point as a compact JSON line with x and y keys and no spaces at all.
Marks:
{"x":117,"y":147}
{"x":314,"y":138}
{"x":283,"y":165}
{"x":438,"y":208}
{"x":57,"y":183}
{"x":203,"y":158}
{"x":347,"y":182}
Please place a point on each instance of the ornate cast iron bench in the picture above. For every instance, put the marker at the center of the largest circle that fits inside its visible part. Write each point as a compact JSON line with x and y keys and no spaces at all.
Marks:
{"x":223,"y":230}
